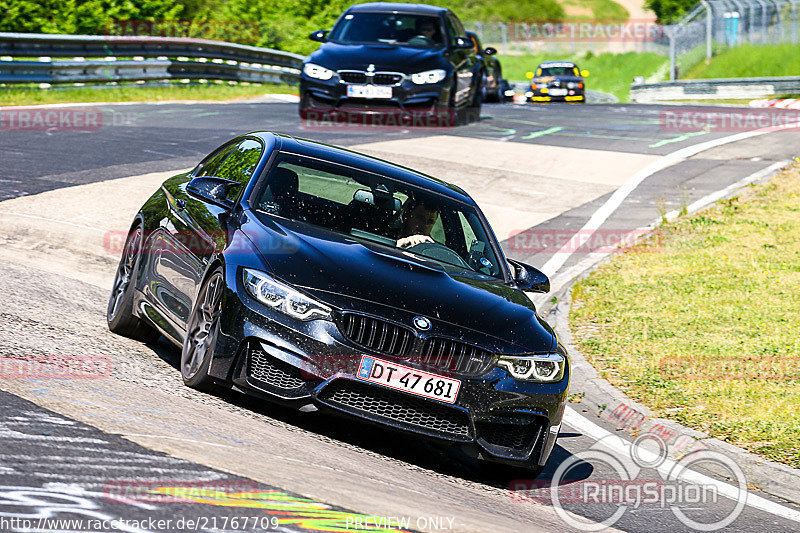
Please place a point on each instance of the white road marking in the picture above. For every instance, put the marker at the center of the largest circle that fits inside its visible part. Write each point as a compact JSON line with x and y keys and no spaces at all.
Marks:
{"x":612,"y":204}
{"x":129,"y":435}
{"x":622,"y":446}
{"x":37,"y":217}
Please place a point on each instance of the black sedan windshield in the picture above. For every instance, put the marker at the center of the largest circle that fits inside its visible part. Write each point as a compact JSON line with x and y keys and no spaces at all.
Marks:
{"x":388,"y":28}
{"x":374,"y":208}
{"x":559,"y":71}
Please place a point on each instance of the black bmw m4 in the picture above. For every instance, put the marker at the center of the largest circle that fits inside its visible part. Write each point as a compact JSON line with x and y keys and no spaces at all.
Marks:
{"x":324,"y":279}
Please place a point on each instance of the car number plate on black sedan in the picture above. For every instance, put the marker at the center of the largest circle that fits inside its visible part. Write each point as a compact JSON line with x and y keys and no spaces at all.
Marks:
{"x":408,"y":379}
{"x":369,"y":91}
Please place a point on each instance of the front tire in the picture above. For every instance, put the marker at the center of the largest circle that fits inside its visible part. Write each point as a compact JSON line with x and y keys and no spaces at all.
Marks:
{"x":119,"y":313}
{"x":474,"y":109}
{"x":201,"y":333}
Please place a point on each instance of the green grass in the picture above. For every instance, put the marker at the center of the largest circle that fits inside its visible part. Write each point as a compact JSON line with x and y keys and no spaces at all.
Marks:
{"x":705,"y":329}
{"x":608,"y":73}
{"x":749,"y":61}
{"x":606,"y":10}
{"x":31,"y":95}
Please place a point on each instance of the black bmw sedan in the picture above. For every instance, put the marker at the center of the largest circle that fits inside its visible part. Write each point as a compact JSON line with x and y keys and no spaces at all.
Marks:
{"x":327,"y":280}
{"x":381,"y":59}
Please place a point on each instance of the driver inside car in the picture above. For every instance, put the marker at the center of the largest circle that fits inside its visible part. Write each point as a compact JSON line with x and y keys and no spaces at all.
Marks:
{"x":417,"y":222}
{"x":426,"y":33}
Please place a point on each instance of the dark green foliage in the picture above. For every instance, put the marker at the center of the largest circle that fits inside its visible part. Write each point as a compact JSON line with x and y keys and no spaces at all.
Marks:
{"x":669,"y":11}
{"x":281,"y":24}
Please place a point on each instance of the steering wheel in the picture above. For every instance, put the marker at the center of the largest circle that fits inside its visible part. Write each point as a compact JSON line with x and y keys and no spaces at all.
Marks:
{"x":440,"y":252}
{"x":421,"y":40}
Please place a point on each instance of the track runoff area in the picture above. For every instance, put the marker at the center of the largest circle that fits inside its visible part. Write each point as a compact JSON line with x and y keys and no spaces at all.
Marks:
{"x":132,"y":448}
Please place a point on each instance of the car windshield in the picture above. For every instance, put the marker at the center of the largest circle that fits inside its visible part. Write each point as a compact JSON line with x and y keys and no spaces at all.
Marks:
{"x":374,"y":208}
{"x":388,"y":28}
{"x":565,"y":70}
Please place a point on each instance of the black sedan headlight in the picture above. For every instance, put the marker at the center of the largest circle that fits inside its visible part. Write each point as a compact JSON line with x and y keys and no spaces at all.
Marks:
{"x":283,"y":298}
{"x":317,"y":72}
{"x":429,"y":76}
{"x":545,"y":368}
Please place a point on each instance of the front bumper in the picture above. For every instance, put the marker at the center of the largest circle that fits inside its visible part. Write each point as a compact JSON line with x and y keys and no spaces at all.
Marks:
{"x":329,"y":98}
{"x":573,"y":95}
{"x":312,"y":365}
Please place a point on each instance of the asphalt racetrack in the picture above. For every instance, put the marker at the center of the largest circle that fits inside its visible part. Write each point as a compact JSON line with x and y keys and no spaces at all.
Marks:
{"x":136,"y":446}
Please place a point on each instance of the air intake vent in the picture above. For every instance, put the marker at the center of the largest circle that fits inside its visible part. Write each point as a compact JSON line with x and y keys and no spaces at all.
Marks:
{"x":397,"y":408}
{"x":517,"y":437}
{"x":268,"y":370}
{"x":376,"y":335}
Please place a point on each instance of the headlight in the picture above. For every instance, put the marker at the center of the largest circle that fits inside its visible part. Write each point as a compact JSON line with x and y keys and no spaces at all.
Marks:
{"x":283,"y":298}
{"x":547,"y":368}
{"x":429,"y":76}
{"x":572,"y":85}
{"x":315,"y":71}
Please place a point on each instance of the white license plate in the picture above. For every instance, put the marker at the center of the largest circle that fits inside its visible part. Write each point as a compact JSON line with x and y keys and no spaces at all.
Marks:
{"x":408,"y":379}
{"x":368,"y":91}
{"x":558,"y":92}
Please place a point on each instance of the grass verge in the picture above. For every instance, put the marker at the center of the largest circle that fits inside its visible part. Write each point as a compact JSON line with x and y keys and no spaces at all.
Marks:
{"x":706,"y":330}
{"x":605,"y":10}
{"x":32,"y":95}
{"x":609,"y":73}
{"x":749,"y":61}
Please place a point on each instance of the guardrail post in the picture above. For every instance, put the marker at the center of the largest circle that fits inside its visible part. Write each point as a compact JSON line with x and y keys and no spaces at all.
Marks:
{"x":504,"y":37}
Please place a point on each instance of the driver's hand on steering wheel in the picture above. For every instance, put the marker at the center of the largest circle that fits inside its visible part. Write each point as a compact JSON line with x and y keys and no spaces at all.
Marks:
{"x":413,"y":240}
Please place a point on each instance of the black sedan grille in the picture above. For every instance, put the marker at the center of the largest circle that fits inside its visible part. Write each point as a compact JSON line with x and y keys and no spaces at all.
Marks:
{"x":353,"y":77}
{"x":379,"y":78}
{"x":376,"y":334}
{"x":455,"y":356}
{"x":386,"y":79}
{"x":397,"y":407}
{"x":268,"y":370}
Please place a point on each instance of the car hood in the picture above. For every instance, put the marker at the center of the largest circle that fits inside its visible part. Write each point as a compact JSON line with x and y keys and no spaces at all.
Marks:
{"x":393,"y":58}
{"x":337,"y":269}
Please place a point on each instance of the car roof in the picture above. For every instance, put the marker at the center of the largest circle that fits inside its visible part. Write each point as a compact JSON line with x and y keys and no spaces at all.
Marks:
{"x":387,"y":7}
{"x":342,"y":156}
{"x":560,"y":63}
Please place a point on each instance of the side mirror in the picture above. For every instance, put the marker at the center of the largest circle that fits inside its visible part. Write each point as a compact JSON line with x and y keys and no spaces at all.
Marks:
{"x":529,"y":75}
{"x":320,"y":36}
{"x":212,"y":190}
{"x":490,"y":51}
{"x":529,"y":278}
{"x":463,"y":43}
{"x":585,"y":73}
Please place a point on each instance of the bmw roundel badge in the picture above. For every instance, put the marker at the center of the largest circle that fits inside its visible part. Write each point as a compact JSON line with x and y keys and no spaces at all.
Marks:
{"x":422,"y":323}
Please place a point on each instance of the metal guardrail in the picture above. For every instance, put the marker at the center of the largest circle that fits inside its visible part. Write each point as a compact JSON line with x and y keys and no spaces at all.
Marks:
{"x":714,"y":89}
{"x":99,"y":58}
